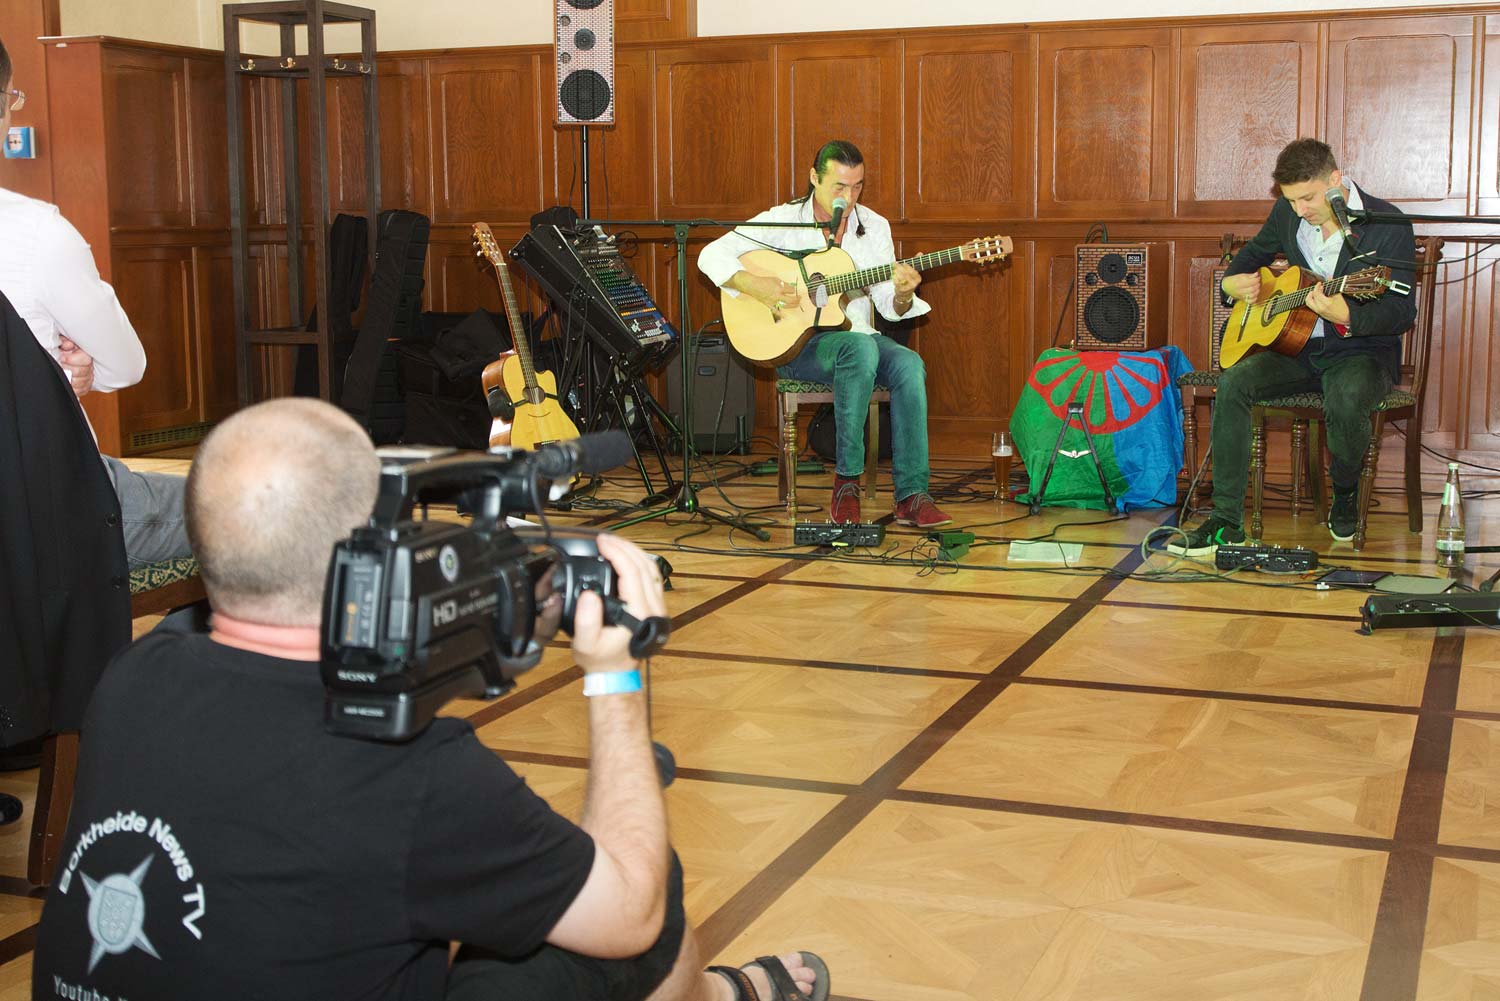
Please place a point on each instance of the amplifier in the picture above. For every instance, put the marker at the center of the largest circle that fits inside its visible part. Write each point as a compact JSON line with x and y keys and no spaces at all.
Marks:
{"x":1111,"y":283}
{"x":1271,"y":558}
{"x":860,"y":534}
{"x":1411,"y":611}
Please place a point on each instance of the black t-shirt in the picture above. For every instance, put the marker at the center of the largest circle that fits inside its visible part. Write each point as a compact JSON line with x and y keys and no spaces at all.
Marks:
{"x":222,"y":845}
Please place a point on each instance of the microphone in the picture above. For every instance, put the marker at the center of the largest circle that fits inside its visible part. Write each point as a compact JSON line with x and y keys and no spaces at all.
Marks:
{"x":1335,"y":196}
{"x":591,"y":453}
{"x":840,"y":206}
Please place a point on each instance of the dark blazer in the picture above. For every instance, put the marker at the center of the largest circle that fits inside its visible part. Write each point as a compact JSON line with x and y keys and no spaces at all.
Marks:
{"x":65,"y":596}
{"x":1375,"y":325}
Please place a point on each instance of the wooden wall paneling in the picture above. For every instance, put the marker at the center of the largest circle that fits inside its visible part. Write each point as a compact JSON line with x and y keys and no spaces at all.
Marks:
{"x":405,"y":161}
{"x":1229,"y":133}
{"x":145,"y":104}
{"x":208,"y":143}
{"x":1106,"y":123}
{"x":849,"y":91}
{"x":1464,"y":382}
{"x":966,"y":344}
{"x":655,"y":19}
{"x":22,"y":22}
{"x":1487,"y":126}
{"x":622,"y":156}
{"x":344,"y":102}
{"x":715,"y":136}
{"x":1398,"y":107}
{"x":213,"y":329}
{"x":970,"y":136}
{"x":155,"y":286}
{"x":262,"y":116}
{"x":487,"y":147}
{"x":459,"y":284}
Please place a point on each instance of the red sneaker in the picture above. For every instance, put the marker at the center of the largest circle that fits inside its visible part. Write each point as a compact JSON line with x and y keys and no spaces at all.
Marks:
{"x":919,"y":510}
{"x":845,"y":507}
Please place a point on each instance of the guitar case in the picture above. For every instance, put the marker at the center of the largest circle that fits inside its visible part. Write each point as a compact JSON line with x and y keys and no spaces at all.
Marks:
{"x":391,"y":314}
{"x":347,"y":256}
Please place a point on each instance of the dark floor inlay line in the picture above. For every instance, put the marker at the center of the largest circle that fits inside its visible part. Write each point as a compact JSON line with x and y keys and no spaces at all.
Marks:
{"x":18,"y":944}
{"x":823,"y":665}
{"x":1154,"y":606}
{"x":772,"y":882}
{"x":1157,"y":821}
{"x":1210,"y":693}
{"x":1395,"y":958}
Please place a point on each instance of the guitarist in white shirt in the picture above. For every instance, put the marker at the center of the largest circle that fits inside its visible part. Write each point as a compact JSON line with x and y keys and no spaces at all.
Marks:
{"x":852,"y":360}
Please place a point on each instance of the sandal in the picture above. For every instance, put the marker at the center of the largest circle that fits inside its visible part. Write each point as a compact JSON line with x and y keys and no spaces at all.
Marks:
{"x":782,"y":984}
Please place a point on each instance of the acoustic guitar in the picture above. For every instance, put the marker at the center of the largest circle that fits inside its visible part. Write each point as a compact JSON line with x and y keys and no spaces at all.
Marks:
{"x":536,"y":415}
{"x":823,"y":279}
{"x":1279,"y":319}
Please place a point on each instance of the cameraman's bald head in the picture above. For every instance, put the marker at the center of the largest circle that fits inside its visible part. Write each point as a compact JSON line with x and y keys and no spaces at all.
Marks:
{"x":270,"y":492}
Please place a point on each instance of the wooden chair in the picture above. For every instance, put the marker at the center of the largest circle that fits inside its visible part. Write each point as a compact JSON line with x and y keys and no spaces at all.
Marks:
{"x":154,"y":589}
{"x":1403,"y":403}
{"x":791,"y":394}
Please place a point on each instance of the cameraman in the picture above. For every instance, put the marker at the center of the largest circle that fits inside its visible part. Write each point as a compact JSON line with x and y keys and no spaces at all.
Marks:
{"x":222,"y":844}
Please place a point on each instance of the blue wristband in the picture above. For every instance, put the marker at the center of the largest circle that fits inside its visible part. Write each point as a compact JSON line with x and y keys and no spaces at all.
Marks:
{"x":612,"y":682}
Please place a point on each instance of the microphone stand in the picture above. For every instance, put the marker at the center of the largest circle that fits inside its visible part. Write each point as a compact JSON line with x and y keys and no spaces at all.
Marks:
{"x":686,"y":501}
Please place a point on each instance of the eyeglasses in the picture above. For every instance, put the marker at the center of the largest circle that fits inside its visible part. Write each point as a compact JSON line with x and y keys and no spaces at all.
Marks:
{"x":18,"y":99}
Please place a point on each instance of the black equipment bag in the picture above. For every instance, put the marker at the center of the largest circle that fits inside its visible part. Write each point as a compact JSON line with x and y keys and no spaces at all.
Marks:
{"x":348,"y":241}
{"x":391,"y":313}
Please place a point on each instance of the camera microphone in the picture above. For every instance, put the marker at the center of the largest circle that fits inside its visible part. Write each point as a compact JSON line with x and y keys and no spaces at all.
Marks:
{"x":1335,"y":196}
{"x":592,"y":453}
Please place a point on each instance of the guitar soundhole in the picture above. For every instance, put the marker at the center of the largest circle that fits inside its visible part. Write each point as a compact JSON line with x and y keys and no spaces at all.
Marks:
{"x":817,"y":291}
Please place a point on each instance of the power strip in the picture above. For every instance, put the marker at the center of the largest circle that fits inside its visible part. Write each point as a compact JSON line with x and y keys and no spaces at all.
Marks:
{"x":1407,"y":611}
{"x":1270,"y":558}
{"x":855,"y":534}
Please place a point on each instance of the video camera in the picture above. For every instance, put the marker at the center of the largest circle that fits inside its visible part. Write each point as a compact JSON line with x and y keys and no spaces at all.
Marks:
{"x":417,"y":613}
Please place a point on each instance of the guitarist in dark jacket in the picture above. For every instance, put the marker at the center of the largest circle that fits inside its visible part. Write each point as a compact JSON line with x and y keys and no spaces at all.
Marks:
{"x":1353,"y":356}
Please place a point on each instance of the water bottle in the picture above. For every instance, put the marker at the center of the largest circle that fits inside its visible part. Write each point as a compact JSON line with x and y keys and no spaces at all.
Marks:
{"x":1450,"y":522}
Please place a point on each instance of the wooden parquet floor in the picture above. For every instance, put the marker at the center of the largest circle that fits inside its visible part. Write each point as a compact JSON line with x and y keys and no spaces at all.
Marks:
{"x":1023,"y":782}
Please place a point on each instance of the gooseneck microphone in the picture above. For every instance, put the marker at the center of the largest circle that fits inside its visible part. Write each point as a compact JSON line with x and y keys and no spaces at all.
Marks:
{"x":1335,"y":196}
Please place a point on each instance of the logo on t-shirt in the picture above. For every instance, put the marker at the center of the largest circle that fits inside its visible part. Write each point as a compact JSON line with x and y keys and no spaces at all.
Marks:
{"x":117,"y":913}
{"x":118,"y":901}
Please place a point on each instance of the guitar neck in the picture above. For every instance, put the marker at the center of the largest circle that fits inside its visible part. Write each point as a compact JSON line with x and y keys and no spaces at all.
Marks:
{"x":517,"y":329}
{"x":1292,"y":300}
{"x":882,"y":272}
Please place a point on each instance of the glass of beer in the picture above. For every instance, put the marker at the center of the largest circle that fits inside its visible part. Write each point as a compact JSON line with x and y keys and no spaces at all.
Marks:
{"x":1002,"y":451}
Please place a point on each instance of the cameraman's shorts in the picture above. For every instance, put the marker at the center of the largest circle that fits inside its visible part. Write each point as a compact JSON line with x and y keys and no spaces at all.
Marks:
{"x":553,"y":974}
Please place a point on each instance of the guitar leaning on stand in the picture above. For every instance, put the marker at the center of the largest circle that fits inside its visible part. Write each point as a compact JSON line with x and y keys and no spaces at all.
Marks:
{"x":1280,"y":319}
{"x":523,"y":401}
{"x":822,"y":278}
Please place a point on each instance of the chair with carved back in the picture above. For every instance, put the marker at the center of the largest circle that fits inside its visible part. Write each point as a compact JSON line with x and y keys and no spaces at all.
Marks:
{"x":1402,"y":403}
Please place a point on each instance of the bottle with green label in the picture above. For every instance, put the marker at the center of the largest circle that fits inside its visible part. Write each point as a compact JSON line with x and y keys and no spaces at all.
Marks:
{"x":1450,"y":522}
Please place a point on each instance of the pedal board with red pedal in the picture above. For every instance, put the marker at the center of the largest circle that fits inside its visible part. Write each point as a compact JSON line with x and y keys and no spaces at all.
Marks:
{"x":843,"y":536}
{"x":1272,"y":559}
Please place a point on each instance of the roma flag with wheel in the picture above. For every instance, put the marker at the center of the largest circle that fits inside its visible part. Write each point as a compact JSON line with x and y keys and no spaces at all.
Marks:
{"x":1134,"y":413}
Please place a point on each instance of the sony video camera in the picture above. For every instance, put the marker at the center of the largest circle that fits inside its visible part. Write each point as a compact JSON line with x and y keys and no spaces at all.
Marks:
{"x":417,"y":613}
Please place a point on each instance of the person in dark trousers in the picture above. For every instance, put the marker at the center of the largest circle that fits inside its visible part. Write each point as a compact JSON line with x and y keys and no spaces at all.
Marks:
{"x":1353,"y":356}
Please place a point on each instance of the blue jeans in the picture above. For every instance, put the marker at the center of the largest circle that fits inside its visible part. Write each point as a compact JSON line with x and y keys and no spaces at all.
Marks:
{"x":853,"y":363}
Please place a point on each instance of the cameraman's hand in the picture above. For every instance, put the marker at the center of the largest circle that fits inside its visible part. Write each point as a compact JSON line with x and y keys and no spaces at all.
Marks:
{"x":600,"y":648}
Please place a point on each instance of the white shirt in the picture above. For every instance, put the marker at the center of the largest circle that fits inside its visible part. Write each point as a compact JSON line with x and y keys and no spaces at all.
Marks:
{"x":1322,"y":253}
{"x":47,"y":272}
{"x":721,"y":259}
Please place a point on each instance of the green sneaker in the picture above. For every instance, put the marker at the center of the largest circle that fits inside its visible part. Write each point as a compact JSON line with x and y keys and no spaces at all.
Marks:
{"x":1207,"y":537}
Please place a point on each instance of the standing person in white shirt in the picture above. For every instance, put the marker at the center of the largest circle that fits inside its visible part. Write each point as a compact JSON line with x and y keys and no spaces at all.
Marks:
{"x":48,"y":273}
{"x":852,"y":360}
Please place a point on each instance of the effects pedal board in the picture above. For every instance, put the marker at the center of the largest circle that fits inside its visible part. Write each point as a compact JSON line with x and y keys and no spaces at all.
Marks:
{"x":857,"y":534}
{"x":1410,"y":611}
{"x":1273,"y":559}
